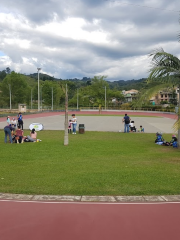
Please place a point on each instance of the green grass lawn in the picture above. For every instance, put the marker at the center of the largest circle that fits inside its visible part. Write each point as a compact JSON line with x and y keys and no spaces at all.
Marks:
{"x":94,"y":163}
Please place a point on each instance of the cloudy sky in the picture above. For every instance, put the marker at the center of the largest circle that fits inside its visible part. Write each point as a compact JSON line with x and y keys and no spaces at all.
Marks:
{"x":86,"y":38}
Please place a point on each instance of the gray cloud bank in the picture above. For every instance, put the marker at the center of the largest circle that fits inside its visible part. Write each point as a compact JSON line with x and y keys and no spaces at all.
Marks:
{"x":69,"y":39}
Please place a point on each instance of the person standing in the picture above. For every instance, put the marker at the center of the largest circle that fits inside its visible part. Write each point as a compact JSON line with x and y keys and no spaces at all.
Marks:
{"x":8,"y":120}
{"x":20,"y":120}
{"x":74,"y":123}
{"x":13,"y":122}
{"x":7,"y":131}
{"x":69,"y":126}
{"x":126,"y":119}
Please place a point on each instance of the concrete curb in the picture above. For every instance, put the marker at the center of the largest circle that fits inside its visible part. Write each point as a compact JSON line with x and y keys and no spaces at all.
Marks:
{"x":110,"y":199}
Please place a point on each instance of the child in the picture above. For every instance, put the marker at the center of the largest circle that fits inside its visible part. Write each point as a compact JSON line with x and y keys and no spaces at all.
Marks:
{"x":13,"y":122}
{"x":132,"y":127}
{"x":69,"y":126}
{"x":141,"y":129}
{"x":8,"y":120}
{"x":159,"y":139}
{"x":173,"y":141}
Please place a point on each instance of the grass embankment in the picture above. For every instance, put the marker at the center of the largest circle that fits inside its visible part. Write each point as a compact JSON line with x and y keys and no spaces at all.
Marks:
{"x":94,"y":163}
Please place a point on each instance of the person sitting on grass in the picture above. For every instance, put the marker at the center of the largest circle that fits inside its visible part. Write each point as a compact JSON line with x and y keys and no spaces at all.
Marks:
{"x":173,"y":141}
{"x":19,"y":135}
{"x":32,"y":137}
{"x":141,"y":129}
{"x":159,"y":139}
{"x":132,"y":127}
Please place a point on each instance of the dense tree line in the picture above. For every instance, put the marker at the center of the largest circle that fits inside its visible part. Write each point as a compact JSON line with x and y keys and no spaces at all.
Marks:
{"x":23,"y":89}
{"x":87,"y":92}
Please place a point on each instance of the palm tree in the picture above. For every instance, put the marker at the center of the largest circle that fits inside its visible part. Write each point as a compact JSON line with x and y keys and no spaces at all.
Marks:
{"x":166,"y":67}
{"x":145,"y":95}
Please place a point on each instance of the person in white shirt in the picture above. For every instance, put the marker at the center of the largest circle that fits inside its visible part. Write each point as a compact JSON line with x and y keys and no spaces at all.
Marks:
{"x":14,"y":122}
{"x":74,"y":123}
{"x":132,"y":127}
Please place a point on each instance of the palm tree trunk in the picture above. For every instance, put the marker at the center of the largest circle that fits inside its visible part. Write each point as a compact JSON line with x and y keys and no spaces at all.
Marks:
{"x":66,"y":140}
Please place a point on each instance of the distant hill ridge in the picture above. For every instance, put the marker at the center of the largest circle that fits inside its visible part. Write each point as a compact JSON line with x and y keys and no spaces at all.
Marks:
{"x":119,"y":84}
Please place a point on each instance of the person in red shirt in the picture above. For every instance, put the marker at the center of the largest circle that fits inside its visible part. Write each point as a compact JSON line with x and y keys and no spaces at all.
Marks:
{"x":19,"y":135}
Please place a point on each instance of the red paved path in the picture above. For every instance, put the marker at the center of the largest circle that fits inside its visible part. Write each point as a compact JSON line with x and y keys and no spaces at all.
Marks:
{"x":89,"y":221}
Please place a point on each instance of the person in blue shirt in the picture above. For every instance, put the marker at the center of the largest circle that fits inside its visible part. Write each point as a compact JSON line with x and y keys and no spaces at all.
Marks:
{"x":7,"y":130}
{"x":159,"y":139}
{"x":173,"y":141}
{"x":8,"y":120}
{"x":20,"y":120}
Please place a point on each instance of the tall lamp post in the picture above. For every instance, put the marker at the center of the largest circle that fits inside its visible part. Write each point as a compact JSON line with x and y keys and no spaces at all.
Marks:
{"x":9,"y":96}
{"x":38,"y":90}
{"x":105,"y":98}
{"x":31,"y":98}
{"x":77,"y":98}
{"x":52,"y":99}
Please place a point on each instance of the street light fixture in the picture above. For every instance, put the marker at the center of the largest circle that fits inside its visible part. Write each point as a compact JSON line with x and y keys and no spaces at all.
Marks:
{"x":38,"y":90}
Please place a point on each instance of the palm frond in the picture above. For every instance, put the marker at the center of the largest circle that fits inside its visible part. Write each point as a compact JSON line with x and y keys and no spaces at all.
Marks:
{"x":176,"y":125}
{"x":145,"y":96}
{"x":163,"y":64}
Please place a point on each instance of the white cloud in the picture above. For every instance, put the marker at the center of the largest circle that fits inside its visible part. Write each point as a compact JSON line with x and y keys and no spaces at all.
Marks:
{"x":73,"y":28}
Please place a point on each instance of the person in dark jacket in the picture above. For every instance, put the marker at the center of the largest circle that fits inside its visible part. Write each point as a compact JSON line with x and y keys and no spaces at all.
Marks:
{"x":7,"y":130}
{"x":20,"y":120}
{"x":126,"y":119}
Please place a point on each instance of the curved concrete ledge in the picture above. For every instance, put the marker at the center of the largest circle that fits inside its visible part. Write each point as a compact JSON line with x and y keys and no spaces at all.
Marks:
{"x":111,"y":199}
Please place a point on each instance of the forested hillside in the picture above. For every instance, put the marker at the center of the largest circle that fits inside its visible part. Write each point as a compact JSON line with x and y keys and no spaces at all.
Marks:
{"x":96,"y":92}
